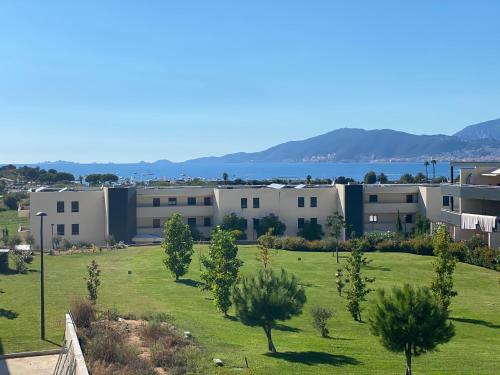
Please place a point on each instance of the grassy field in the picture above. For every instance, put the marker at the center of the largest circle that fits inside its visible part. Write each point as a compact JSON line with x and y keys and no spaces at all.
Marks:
{"x":351,"y":350}
{"x":9,"y":220}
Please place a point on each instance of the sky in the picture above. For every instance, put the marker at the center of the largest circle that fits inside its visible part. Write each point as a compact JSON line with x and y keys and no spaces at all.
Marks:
{"x":127,"y":81}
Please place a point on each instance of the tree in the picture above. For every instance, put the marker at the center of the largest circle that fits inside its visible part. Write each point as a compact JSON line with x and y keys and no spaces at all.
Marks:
{"x":419,"y":178}
{"x":422,"y":225}
{"x":382,"y":178}
{"x":357,"y":285}
{"x":370,"y":177}
{"x":308,"y":179}
{"x":426,"y":164}
{"x":335,"y":223}
{"x":271,"y":222}
{"x":339,"y":281}
{"x":178,"y":246}
{"x":235,"y":224}
{"x":407,"y":178}
{"x":433,"y":162}
{"x":344,"y":180}
{"x":311,"y":231}
{"x":10,"y":201}
{"x":321,"y":316}
{"x":93,"y":281}
{"x":410,"y":320}
{"x":221,"y":268}
{"x":399,"y":224}
{"x":444,"y":267}
{"x":264,"y":255}
{"x":266,"y":298}
{"x":225,"y":177}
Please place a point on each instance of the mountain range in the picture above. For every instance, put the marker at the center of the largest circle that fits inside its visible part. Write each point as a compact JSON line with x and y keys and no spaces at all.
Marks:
{"x":475,"y":142}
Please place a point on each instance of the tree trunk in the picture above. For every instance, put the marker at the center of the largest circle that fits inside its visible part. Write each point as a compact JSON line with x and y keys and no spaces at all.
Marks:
{"x":408,"y":361}
{"x":270,"y":345}
{"x":337,"y":251}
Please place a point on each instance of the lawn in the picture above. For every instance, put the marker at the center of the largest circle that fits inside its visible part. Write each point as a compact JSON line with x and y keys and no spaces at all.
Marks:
{"x":9,"y":220}
{"x":351,"y":350}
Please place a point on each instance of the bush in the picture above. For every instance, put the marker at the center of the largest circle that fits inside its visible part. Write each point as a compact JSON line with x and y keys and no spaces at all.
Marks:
{"x":138,"y":367}
{"x":387,"y":246}
{"x":459,"y":250}
{"x":20,"y":260}
{"x":316,"y":245}
{"x":152,"y":331}
{"x":485,"y":257}
{"x":66,"y":244}
{"x":107,"y":344}
{"x":419,"y":246}
{"x":10,"y":201}
{"x":294,"y":243}
{"x":321,"y":316}
{"x":83,"y":311}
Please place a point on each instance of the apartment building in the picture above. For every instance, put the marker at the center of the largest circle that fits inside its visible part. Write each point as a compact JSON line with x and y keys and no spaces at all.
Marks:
{"x":471,"y":205}
{"x":138,"y":214}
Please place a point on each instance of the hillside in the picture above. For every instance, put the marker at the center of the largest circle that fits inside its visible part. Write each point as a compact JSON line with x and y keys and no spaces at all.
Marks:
{"x":356,"y":145}
{"x":483,"y":130}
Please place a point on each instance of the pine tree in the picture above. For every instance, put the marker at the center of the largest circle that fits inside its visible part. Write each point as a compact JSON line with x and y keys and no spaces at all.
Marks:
{"x":357,"y":285}
{"x":444,"y":267}
{"x":221,"y":268}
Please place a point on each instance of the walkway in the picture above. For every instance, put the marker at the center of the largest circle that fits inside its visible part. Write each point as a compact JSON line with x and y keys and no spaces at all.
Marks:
{"x":41,"y":365}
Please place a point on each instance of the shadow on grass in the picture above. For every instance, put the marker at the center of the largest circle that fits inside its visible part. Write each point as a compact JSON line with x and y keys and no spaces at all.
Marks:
{"x":53,"y":343}
{"x":476,"y":321}
{"x":285,"y":328}
{"x":8,"y":314}
{"x":189,"y":282}
{"x":307,"y":285}
{"x":311,"y":358}
{"x":377,"y":268}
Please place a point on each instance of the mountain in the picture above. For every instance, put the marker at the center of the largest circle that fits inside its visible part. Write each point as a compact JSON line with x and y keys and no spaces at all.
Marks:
{"x":358,"y":145}
{"x":483,"y":130}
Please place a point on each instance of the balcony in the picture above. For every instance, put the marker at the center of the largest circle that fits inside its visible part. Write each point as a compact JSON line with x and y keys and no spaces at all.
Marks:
{"x":451,"y":217}
{"x":487,"y":192}
{"x":167,"y":211}
{"x":390,"y":208}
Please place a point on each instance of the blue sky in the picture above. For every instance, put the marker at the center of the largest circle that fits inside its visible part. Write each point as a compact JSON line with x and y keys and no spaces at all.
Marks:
{"x":129,"y":81}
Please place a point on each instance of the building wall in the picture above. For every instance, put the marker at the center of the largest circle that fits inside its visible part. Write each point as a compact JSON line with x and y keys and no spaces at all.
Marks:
{"x":430,"y":202}
{"x":91,"y":216}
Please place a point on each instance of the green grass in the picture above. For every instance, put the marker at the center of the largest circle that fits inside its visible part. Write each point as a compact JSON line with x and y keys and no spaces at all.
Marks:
{"x":9,"y":220}
{"x":351,"y":350}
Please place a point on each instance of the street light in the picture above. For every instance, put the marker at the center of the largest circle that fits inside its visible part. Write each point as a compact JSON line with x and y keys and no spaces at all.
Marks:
{"x":42,"y":296}
{"x":52,"y":236}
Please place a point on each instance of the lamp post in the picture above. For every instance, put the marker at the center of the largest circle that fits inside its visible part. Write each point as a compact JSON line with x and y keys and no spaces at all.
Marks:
{"x":42,"y":296}
{"x":52,"y":236}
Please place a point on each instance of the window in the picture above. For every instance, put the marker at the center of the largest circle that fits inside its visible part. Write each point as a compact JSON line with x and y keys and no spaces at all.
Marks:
{"x":245,"y":224}
{"x":300,"y":202}
{"x":446,"y":200}
{"x":314,"y":221}
{"x":300,"y":222}
{"x":256,"y":223}
{"x":172,"y":201}
{"x":191,"y":221}
{"x":373,"y":198}
{"x":408,"y":219}
{"x":409,"y":198}
{"x":60,"y":229}
{"x":75,"y":229}
{"x":156,"y":202}
{"x":256,"y":203}
{"x":192,"y":201}
{"x":314,"y":201}
{"x":207,"y":201}
{"x":60,"y":206}
{"x":156,"y":223}
{"x":75,"y":206}
{"x":373,"y":218}
{"x":207,"y":222}
{"x":244,"y":203}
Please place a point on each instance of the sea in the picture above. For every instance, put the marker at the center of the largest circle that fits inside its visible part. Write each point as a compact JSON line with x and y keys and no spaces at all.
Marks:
{"x":246,"y":171}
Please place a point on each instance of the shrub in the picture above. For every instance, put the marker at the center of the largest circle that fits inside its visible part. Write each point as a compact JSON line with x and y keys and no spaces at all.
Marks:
{"x":311,"y":231}
{"x":20,"y":260}
{"x":268,"y":241}
{"x":152,"y":331}
{"x":485,"y":257}
{"x":321,"y":316}
{"x":10,"y":201}
{"x":66,"y":244}
{"x":138,"y":367}
{"x":108,"y":344}
{"x":84,"y":312}
{"x":294,"y":243}
{"x":387,"y":246}
{"x":158,"y":316}
{"x":459,"y":250}
{"x":419,"y":245}
{"x":316,"y":245}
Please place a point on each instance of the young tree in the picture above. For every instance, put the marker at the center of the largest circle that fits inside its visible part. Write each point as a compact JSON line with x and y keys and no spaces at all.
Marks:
{"x":382,"y":178}
{"x":399,"y":224}
{"x":426,"y":164}
{"x":310,"y":231}
{"x":93,"y":281}
{"x":225,"y":177}
{"x":272,"y":222}
{"x":221,"y":268}
{"x":264,"y":255}
{"x":321,"y":316}
{"x":370,"y":177}
{"x":410,"y":320}
{"x":357,"y":285}
{"x":444,"y":266}
{"x":339,"y":281}
{"x":335,"y":223}
{"x":308,"y":179}
{"x":422,"y":225}
{"x":266,"y":298}
{"x":178,"y":246}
